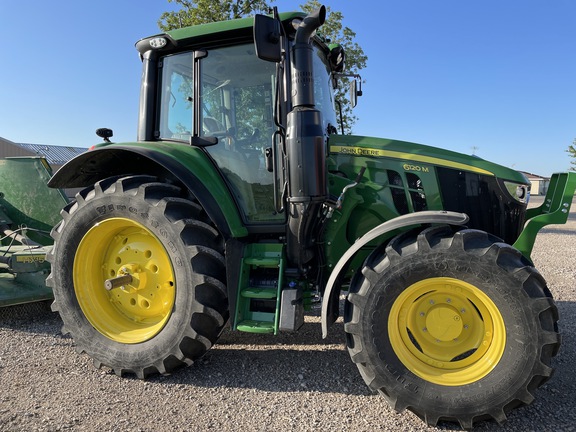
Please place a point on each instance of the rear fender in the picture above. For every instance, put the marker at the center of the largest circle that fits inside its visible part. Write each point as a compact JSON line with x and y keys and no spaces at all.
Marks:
{"x":189,"y":165}
{"x":332,"y":291}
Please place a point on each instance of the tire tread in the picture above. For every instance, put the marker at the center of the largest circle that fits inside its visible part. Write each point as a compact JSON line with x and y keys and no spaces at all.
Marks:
{"x":204,"y":248}
{"x":473,"y":243}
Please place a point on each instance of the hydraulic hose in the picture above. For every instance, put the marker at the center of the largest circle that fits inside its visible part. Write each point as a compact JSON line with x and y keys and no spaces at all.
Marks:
{"x":18,"y":237}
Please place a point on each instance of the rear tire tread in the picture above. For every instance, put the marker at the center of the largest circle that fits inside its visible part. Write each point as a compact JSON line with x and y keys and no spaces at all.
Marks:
{"x":206,"y":257}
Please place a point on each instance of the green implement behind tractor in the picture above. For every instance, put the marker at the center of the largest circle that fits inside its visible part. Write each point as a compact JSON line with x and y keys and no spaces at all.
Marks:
{"x":28,"y":211}
{"x":240,"y":202}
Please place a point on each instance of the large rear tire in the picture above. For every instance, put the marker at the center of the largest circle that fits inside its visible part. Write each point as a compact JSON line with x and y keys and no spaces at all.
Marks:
{"x":166,"y":300}
{"x":452,"y":326}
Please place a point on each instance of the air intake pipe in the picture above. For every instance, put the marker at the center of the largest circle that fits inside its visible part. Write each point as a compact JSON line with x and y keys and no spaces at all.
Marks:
{"x":305,"y":147}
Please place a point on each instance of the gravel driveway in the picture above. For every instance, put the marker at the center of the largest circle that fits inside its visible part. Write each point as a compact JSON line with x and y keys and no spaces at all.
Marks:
{"x":250,"y":382}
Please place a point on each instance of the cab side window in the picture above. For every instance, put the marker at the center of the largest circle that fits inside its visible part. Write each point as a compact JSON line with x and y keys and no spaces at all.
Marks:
{"x":176,"y":107}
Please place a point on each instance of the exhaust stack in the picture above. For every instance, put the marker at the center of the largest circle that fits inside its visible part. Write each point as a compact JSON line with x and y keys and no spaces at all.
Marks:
{"x":305,"y":147}
{"x":302,"y":74}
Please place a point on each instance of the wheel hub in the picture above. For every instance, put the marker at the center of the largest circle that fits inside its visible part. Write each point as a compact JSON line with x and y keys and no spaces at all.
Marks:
{"x":447,"y":331}
{"x":124,"y":280}
{"x":444,"y":323}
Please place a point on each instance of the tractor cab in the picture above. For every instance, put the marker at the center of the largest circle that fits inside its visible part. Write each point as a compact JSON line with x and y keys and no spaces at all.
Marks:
{"x":227,"y":101}
{"x":229,"y":113}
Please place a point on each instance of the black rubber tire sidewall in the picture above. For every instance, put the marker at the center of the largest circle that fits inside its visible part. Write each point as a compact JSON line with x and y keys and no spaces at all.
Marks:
{"x":505,"y":386}
{"x":153,"y":351}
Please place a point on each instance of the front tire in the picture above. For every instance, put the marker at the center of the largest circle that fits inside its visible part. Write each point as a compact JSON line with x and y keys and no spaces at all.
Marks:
{"x":166,"y":299}
{"x":452,"y":326}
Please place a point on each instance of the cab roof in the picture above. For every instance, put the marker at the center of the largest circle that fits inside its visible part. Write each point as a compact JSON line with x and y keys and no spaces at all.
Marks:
{"x":203,"y":33}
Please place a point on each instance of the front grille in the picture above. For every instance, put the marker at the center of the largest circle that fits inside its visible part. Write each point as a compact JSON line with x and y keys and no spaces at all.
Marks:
{"x":485,"y":200}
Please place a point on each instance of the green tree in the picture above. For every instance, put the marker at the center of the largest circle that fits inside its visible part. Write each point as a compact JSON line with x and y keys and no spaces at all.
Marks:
{"x":572,"y":152}
{"x":194,"y":12}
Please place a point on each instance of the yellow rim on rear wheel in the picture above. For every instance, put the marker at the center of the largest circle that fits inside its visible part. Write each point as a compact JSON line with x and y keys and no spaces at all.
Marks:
{"x":447,"y":331}
{"x":139,"y":302}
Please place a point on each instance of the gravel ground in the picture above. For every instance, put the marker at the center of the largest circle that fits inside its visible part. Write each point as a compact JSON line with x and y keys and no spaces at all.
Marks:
{"x":250,"y":382}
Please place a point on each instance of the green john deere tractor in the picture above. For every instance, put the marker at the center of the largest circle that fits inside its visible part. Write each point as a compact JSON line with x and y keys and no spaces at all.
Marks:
{"x":241,"y":203}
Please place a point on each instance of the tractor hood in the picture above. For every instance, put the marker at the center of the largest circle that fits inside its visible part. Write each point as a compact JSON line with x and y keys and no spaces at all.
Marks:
{"x":418,"y":156}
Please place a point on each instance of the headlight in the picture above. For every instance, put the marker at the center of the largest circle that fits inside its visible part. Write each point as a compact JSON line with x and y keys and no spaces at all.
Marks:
{"x":519,"y":192}
{"x":158,"y":42}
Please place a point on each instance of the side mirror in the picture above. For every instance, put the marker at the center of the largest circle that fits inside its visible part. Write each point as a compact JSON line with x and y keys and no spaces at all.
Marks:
{"x":355,"y":92}
{"x":267,"y":38}
{"x":105,"y":134}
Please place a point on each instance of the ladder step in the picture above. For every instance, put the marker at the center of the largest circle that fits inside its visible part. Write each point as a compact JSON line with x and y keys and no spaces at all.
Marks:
{"x":251,"y":326}
{"x":262,"y":262}
{"x":259,"y":293}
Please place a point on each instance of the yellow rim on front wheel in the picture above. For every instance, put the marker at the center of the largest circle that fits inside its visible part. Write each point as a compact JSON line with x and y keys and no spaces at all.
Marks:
{"x":447,"y":331}
{"x":124,"y":281}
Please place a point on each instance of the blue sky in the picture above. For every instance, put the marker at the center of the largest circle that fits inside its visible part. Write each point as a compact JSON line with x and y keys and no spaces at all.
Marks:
{"x":493,"y":77}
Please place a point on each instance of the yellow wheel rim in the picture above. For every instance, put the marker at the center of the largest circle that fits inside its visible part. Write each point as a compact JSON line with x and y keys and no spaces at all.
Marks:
{"x":447,"y":331}
{"x":118,"y":249}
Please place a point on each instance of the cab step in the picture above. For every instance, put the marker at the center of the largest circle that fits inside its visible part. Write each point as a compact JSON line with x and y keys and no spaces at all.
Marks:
{"x":261,"y":281}
{"x":251,"y":326}
{"x":259,"y":293}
